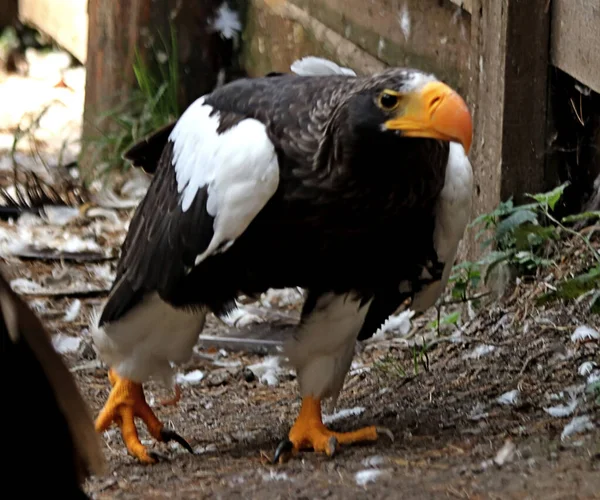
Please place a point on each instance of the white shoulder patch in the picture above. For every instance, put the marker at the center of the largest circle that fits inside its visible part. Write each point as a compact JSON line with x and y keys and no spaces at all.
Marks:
{"x":452,"y":216}
{"x":239,"y":166}
{"x":317,"y":66}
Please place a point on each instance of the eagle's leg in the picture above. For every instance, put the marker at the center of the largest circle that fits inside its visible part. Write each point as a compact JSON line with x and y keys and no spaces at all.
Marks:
{"x":309,"y":432}
{"x":322,"y":353}
{"x":125,"y":402}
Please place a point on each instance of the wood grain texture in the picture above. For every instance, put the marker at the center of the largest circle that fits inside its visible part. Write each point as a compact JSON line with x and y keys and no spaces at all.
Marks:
{"x":575,"y":42}
{"x":117,"y":29}
{"x":508,"y":94}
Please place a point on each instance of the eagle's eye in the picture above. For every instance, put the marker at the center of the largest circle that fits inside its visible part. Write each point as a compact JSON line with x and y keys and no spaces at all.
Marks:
{"x":388,"y":101}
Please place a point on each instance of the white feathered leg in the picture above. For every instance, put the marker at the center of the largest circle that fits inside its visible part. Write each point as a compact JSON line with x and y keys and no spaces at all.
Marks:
{"x":142,"y":345}
{"x":321,"y":352}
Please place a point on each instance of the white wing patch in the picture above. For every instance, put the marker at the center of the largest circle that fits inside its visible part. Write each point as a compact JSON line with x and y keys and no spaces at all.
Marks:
{"x":239,"y":166}
{"x":452,"y":216}
{"x":317,"y":66}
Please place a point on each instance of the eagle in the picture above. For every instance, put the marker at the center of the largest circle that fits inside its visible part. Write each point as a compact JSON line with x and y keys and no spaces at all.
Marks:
{"x":42,"y":385}
{"x":356,"y":189}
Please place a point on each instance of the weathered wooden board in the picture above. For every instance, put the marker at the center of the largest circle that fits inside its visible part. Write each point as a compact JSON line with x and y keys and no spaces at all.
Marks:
{"x":575,"y":39}
{"x":509,"y":68}
{"x":278,"y":32}
{"x":65,"y":21}
{"x":427,"y":34}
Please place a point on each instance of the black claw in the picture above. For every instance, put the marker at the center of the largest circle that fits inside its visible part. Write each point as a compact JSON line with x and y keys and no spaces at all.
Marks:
{"x":168,"y":435}
{"x":284,"y":447}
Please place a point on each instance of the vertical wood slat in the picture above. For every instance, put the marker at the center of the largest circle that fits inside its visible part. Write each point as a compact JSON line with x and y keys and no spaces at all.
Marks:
{"x":508,"y":94}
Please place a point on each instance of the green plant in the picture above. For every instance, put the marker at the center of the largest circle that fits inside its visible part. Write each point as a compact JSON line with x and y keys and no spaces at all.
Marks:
{"x":152,"y":105}
{"x":528,"y":237}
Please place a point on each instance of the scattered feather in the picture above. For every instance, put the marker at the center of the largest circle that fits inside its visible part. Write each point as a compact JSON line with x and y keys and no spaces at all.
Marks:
{"x":583,"y":333}
{"x":268,"y":371}
{"x":366,"y":476}
{"x":586,"y":368}
{"x":593,"y":378}
{"x":275,"y":476}
{"x":576,"y":426}
{"x":190,"y":378}
{"x":315,"y":66}
{"x":399,"y":324}
{"x":373,"y":461}
{"x":509,"y":398}
{"x":64,"y":344}
{"x":346,"y":412}
{"x":480,"y":351}
{"x":105,"y":213}
{"x":72,"y":311}
{"x":240,"y":317}
{"x":281,"y":297}
{"x":506,"y":453}
{"x":60,"y":215}
{"x":561,"y":411}
{"x":227,"y":22}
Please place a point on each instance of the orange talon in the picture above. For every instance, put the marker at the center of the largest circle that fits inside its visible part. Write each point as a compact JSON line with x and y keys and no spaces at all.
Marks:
{"x":310,"y":432}
{"x":125,"y":402}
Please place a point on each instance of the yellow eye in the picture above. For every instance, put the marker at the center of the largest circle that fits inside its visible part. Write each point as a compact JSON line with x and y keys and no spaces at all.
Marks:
{"x":388,"y":101}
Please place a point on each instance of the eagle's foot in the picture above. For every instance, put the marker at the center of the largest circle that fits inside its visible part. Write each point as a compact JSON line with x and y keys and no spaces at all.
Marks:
{"x":309,"y":432}
{"x":125,"y":402}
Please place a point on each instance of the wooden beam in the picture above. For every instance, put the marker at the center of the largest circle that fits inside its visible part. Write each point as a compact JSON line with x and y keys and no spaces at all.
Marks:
{"x":575,"y":40}
{"x":118,"y":29}
{"x":9,"y":12}
{"x":508,"y":93}
{"x":65,"y":21}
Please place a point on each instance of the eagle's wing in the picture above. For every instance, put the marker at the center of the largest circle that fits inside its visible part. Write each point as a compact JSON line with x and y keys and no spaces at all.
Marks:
{"x":145,"y":153}
{"x":48,"y":390}
{"x":217,"y":171}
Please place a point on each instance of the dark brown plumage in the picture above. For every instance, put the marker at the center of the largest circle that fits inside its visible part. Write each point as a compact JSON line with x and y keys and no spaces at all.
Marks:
{"x":49,"y":442}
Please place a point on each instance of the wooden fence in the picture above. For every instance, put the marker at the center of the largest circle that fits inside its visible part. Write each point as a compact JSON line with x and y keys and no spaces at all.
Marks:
{"x":530,"y":69}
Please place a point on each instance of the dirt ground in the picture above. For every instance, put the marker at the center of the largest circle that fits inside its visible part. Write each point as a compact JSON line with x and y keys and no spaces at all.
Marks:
{"x":453,"y":436}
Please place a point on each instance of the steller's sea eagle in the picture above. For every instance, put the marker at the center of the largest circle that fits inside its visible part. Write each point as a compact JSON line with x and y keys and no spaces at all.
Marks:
{"x":355,"y":188}
{"x":41,"y":386}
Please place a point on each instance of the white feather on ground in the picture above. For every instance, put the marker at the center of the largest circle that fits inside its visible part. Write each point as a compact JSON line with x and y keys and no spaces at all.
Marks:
{"x":583,"y":333}
{"x":576,"y":426}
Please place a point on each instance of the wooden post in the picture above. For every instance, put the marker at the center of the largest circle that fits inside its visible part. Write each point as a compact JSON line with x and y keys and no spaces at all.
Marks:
{"x":508,"y":93}
{"x":117,"y":29}
{"x":9,"y":12}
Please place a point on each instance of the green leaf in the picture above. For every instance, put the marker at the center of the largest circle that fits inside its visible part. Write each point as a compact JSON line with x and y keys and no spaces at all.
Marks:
{"x":513,"y":221}
{"x":551,"y":197}
{"x":574,"y":287}
{"x":450,"y":319}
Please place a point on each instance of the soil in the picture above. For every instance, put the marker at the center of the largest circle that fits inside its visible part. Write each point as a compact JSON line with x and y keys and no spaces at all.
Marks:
{"x":447,"y":424}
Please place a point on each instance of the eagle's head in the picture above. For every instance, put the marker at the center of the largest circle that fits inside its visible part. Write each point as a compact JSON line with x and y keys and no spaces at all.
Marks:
{"x":410,"y":103}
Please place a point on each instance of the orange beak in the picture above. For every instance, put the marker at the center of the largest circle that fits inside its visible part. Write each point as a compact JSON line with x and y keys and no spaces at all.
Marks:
{"x":434,"y":112}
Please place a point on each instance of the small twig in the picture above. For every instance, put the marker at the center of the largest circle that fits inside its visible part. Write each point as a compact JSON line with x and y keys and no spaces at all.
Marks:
{"x":463,"y":300}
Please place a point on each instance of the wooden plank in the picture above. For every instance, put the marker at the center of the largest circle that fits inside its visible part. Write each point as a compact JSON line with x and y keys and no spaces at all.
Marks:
{"x":509,"y":64}
{"x":65,"y":21}
{"x":9,"y":12}
{"x":279,"y":32}
{"x":427,"y":34}
{"x":575,"y":40}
